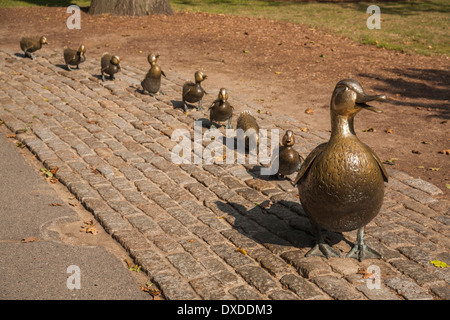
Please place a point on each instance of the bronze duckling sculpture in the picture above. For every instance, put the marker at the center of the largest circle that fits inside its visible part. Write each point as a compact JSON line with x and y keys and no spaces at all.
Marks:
{"x":152,"y":81}
{"x":29,"y":46}
{"x":221,"y":109}
{"x":288,"y":159}
{"x":74,"y":57}
{"x":249,"y":128}
{"x":341,"y":182}
{"x":193,"y":91}
{"x":109,"y":65}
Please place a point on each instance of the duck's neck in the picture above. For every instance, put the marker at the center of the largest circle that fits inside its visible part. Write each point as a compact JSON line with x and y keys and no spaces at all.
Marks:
{"x":342,"y":127}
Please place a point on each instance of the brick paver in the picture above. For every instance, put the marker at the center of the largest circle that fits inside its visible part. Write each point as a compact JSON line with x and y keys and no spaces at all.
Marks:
{"x":217,"y":231}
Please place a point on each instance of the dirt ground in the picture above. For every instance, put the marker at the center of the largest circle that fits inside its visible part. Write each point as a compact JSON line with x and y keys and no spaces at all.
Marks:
{"x":286,"y":68}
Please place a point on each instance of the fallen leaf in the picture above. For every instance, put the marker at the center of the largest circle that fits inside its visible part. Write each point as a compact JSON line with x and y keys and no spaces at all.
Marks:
{"x":371,"y":129}
{"x":390,"y":161}
{"x":416,"y":151}
{"x":241,"y":251}
{"x":447,"y":151}
{"x":132,"y":267}
{"x":434,"y":169}
{"x":29,"y":239}
{"x":309,"y":111}
{"x":48,"y":114}
{"x":439,"y":264}
{"x":89,"y":227}
{"x":11,"y":136}
{"x":364,"y":273}
{"x":389,"y":131}
{"x":92,"y":121}
{"x":447,"y":185}
{"x":56,"y":204}
{"x":153,"y":291}
{"x":303,"y":129}
{"x":425,"y":142}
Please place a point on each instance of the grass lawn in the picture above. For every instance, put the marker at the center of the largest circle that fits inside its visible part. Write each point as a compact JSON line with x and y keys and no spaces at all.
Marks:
{"x":416,"y":26}
{"x":413,"y":26}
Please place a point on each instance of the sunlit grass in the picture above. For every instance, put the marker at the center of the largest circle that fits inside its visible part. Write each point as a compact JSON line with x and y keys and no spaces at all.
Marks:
{"x":413,"y":26}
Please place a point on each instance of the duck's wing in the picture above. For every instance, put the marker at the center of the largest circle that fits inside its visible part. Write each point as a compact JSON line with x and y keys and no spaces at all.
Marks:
{"x":26,"y":43}
{"x":380,"y":163}
{"x":309,"y":160}
{"x":69,"y":55}
{"x":187,"y":88}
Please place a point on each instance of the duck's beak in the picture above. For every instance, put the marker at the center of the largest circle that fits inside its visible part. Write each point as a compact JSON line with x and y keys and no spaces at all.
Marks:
{"x":363,"y":98}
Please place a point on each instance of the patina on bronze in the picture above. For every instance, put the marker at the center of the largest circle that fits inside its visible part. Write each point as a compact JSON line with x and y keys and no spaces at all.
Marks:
{"x":74,"y":57}
{"x":221,"y":109}
{"x":152,"y":81}
{"x":249,"y":128}
{"x":288,"y":159}
{"x":29,"y":46}
{"x":109,"y":65}
{"x":341,"y":182}
{"x":193,"y":91}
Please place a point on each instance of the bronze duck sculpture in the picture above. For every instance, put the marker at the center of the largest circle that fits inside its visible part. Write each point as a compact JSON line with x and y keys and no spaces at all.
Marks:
{"x":288,"y":158}
{"x":221,"y":109}
{"x":193,"y":91}
{"x":29,"y":46}
{"x":74,"y":57}
{"x":152,"y":81}
{"x":109,"y":65}
{"x":248,"y":128}
{"x":341,"y":182}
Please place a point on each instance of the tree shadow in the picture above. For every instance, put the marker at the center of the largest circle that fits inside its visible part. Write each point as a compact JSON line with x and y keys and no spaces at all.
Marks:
{"x":51,"y":3}
{"x":415,"y":83}
{"x":266,"y":228}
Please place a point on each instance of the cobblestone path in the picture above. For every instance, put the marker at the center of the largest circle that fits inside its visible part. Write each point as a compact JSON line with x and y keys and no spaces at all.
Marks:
{"x":209,"y":231}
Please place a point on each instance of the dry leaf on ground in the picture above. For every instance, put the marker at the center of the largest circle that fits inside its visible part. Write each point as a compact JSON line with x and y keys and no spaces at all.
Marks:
{"x":29,"y":239}
{"x":89,"y":227}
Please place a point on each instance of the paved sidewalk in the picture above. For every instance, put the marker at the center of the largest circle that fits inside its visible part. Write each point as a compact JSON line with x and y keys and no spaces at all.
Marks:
{"x":40,"y":267}
{"x":211,"y":231}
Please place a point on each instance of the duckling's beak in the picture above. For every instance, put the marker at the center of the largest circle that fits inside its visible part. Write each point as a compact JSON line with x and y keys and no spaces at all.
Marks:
{"x":362,"y":99}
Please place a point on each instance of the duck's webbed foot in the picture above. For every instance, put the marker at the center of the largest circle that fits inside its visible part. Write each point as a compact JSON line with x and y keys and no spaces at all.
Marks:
{"x":29,"y":55}
{"x":200,"y":108}
{"x":321,"y":249}
{"x":360,"y":251}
